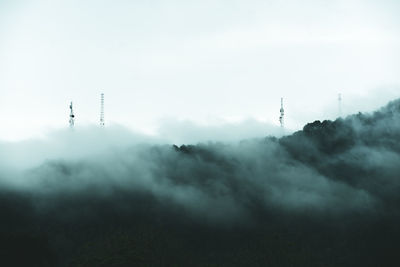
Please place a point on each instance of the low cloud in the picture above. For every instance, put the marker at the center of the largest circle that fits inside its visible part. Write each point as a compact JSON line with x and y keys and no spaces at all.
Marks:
{"x":333,"y":165}
{"x":187,"y":132}
{"x":329,"y":171}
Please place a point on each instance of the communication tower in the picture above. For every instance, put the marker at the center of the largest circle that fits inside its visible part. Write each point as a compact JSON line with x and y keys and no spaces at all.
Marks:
{"x":71,"y":116}
{"x":102,"y":110}
{"x":282,"y":111}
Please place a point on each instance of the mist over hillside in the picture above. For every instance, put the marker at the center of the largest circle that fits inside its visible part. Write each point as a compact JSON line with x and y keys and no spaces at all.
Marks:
{"x":327,"y":195}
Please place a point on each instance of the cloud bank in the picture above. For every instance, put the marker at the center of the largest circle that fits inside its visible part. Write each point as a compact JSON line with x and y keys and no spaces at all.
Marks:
{"x":337,"y":175}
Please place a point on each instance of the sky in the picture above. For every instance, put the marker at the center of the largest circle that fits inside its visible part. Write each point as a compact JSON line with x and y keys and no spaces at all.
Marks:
{"x":164,"y":65}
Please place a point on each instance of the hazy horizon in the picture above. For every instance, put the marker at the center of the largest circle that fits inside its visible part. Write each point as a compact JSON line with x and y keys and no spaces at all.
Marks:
{"x":206,"y":64}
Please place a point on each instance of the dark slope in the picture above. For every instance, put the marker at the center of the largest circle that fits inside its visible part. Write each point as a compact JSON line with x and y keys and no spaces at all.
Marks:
{"x":362,"y":151}
{"x":325,"y":196}
{"x":379,"y":129}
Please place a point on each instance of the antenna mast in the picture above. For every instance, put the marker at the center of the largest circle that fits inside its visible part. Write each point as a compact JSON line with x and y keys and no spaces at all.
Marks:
{"x":282,"y":111}
{"x":102,"y":110}
{"x":71,"y":116}
{"x":340,"y":105}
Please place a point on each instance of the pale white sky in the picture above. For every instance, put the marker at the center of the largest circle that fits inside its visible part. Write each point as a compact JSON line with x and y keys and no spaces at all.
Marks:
{"x":208,"y":62}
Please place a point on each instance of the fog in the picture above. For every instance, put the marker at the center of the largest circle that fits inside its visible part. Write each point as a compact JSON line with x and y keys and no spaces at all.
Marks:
{"x":328,"y":166}
{"x":344,"y":171}
{"x":306,"y":170}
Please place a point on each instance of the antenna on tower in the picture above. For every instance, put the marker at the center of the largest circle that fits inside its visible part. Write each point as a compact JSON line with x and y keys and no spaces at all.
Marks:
{"x":340,"y":104}
{"x":102,"y":110}
{"x":282,"y":111}
{"x":71,"y":116}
